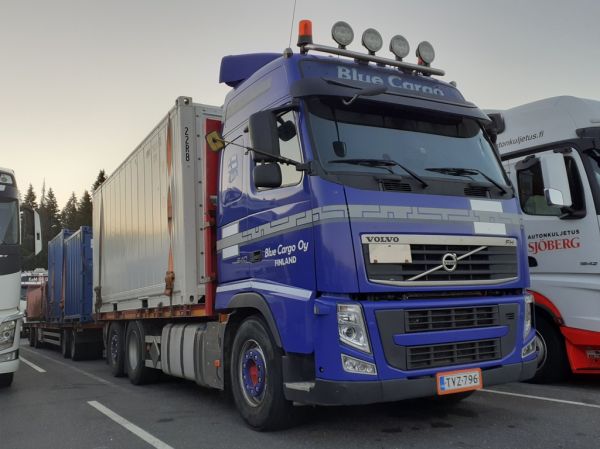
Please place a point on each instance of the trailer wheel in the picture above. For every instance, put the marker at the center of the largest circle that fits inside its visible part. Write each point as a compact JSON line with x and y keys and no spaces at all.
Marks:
{"x":257,"y":379}
{"x":553,"y":365}
{"x":77,"y":347}
{"x":115,"y":353}
{"x":32,"y":337}
{"x":37,"y":342}
{"x":6,"y":379}
{"x":135,"y":355}
{"x":65,"y":344}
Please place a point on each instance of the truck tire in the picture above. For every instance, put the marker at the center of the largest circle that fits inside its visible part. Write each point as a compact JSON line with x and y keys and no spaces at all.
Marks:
{"x":115,"y":352}
{"x":553,"y":365}
{"x":6,"y":379}
{"x":257,"y":379}
{"x":78,"y":348}
{"x":135,"y":355}
{"x":65,"y":344}
{"x":37,"y":343}
{"x":32,"y":337}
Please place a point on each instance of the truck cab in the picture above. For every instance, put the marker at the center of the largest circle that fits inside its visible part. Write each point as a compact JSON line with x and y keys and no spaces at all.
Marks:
{"x":551,"y":150}
{"x":388,"y":253}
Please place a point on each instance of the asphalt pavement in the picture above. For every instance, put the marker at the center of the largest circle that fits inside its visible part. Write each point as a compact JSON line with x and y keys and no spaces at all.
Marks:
{"x":58,"y":403}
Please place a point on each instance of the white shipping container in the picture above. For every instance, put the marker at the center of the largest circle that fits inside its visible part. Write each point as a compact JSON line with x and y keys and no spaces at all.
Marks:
{"x":132,"y":239}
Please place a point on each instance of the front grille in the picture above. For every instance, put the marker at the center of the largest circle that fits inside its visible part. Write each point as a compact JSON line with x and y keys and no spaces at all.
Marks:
{"x":423,"y":320}
{"x":422,"y":357}
{"x":495,"y":261}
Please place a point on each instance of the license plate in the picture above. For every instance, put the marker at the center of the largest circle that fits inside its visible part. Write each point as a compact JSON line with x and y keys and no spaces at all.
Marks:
{"x":457,"y":381}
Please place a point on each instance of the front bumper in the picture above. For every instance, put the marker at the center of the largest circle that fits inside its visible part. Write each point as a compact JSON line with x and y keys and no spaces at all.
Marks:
{"x":325,"y":392}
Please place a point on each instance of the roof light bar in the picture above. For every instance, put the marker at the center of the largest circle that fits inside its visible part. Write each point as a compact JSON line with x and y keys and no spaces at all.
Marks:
{"x":342,"y":34}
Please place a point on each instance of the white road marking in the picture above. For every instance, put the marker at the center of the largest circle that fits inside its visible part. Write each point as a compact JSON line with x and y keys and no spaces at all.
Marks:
{"x":141,"y":433}
{"x":66,"y":365}
{"x":542,"y":398}
{"x":32,"y":365}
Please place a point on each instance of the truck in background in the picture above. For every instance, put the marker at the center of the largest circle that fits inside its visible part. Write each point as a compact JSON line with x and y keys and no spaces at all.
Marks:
{"x":31,"y":284}
{"x":551,"y":150}
{"x":350,"y":237}
{"x":10,"y":269}
{"x":61,"y":312}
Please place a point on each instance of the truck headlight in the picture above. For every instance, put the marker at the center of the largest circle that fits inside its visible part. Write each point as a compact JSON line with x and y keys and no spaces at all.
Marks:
{"x":7,"y":333}
{"x":528,"y":314}
{"x":351,"y":326}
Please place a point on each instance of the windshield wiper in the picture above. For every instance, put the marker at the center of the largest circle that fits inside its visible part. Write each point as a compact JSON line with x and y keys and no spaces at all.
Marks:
{"x":459,"y":171}
{"x":381,"y":163}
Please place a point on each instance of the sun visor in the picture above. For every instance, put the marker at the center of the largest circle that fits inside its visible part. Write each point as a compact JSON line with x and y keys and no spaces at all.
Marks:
{"x":346,"y":89}
{"x":237,"y":68}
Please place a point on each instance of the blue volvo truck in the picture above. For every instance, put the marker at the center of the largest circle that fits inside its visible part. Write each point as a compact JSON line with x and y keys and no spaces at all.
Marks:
{"x":344,"y":235}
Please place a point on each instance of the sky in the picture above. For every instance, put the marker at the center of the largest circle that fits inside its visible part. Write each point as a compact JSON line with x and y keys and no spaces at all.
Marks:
{"x":82,"y":82}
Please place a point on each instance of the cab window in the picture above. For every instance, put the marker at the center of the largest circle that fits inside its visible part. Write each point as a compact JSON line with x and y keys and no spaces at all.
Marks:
{"x":289,"y":145}
{"x":531,"y":189}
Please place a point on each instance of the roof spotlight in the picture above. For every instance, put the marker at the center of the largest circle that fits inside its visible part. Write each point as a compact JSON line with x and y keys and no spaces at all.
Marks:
{"x":425,"y":53}
{"x":372,"y":41}
{"x":342,"y":34}
{"x":399,"y":46}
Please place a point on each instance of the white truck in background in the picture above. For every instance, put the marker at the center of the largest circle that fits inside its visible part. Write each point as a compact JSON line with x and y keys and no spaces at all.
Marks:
{"x":10,"y":269}
{"x":551,"y":150}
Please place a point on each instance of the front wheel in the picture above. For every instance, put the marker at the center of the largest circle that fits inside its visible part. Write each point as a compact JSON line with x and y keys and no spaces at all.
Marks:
{"x":257,"y":379}
{"x":552,"y":362}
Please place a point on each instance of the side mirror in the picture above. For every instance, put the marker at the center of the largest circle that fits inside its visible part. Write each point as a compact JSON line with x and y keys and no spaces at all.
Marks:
{"x":31,"y":230}
{"x":556,"y":182}
{"x":264,"y":134}
{"x":267,"y":175}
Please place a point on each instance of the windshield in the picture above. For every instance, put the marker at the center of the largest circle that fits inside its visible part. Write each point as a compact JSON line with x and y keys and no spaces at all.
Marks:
{"x":9,"y":223}
{"x":379,"y":140}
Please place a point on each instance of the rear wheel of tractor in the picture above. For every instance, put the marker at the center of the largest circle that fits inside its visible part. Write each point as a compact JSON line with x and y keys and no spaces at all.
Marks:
{"x":115,"y":352}
{"x":552,"y":361}
{"x":65,"y":344}
{"x":257,"y":379}
{"x":6,"y":380}
{"x":135,"y":355}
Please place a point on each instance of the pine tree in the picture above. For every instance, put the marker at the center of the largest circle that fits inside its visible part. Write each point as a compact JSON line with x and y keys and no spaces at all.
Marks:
{"x":30,"y":198}
{"x":99,"y":180}
{"x":69,"y":215}
{"x":53,"y":224}
{"x":84,"y":210}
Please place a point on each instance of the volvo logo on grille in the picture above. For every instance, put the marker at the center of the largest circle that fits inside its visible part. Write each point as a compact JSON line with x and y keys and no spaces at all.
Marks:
{"x":449,"y":262}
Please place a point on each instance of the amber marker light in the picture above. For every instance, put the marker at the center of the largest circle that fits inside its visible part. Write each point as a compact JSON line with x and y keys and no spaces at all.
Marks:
{"x":305,"y":33}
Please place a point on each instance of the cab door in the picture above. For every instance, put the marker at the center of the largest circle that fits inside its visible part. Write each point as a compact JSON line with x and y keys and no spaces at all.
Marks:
{"x":279,"y":223}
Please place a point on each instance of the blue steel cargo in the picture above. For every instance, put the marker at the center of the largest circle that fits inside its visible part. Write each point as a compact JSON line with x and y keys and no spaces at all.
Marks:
{"x":361,"y":244}
{"x":56,"y":273}
{"x":78,"y":298}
